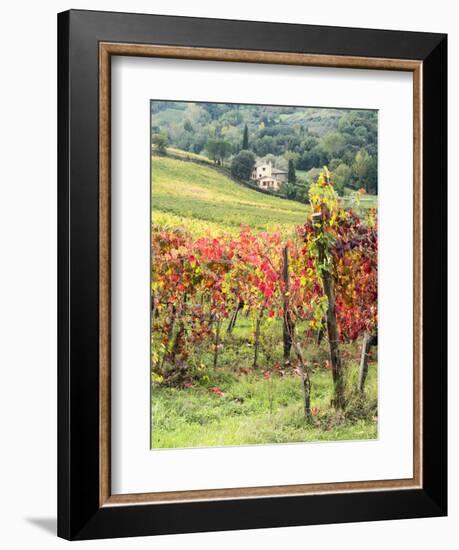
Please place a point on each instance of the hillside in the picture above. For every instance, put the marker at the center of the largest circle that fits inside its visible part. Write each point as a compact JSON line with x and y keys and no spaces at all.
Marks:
{"x":204,"y":200}
{"x":345,"y":140}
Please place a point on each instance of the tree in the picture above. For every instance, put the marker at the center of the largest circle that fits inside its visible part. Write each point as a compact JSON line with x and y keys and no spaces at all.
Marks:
{"x":218,"y":150}
{"x":291,"y":171}
{"x":245,"y":139}
{"x":302,"y":191}
{"x":366,"y":171}
{"x":313,"y":158}
{"x":160,"y":142}
{"x":242,"y":165}
{"x":372,"y":182}
{"x":362,"y":166}
{"x":290,"y":191}
{"x":211,"y":149}
{"x":224,"y":150}
{"x":264,"y":146}
{"x":342,"y":177}
{"x":333,"y":144}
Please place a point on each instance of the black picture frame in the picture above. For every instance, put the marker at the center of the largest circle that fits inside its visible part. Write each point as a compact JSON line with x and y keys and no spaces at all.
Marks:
{"x":80,"y":515}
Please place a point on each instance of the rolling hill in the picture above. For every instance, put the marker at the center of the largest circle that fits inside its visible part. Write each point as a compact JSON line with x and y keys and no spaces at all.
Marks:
{"x":203,"y":200}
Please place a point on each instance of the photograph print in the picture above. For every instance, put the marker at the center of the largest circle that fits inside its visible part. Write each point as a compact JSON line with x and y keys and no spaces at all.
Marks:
{"x":264,"y":274}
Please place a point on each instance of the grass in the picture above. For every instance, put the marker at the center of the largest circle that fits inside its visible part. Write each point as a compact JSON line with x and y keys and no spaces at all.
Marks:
{"x":199,"y":198}
{"x":187,"y":155}
{"x":254,"y":410}
{"x":366,"y":201}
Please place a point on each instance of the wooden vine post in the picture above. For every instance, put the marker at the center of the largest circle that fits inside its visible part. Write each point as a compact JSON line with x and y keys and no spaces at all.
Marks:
{"x":363,"y":370}
{"x":290,"y":340}
{"x":367,"y":342}
{"x":332,"y":327}
{"x":305,"y":380}
{"x":257,"y":341}
{"x":287,"y":319}
{"x":217,"y":341}
{"x":233,"y":319}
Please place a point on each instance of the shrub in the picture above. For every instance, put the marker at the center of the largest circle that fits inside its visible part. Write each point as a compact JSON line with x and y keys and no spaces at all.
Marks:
{"x":242,"y":165}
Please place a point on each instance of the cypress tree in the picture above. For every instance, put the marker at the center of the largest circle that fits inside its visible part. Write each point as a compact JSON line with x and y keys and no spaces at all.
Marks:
{"x":245,"y":138}
{"x":291,"y":172}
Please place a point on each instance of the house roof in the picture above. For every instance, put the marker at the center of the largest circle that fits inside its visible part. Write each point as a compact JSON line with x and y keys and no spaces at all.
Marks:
{"x":273,"y":170}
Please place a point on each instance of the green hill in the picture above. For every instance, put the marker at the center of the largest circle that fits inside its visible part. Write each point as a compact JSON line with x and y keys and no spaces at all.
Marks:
{"x":203,"y":200}
{"x":312,"y":137}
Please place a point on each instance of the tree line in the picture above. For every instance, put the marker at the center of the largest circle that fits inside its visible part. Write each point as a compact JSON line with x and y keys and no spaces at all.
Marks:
{"x":300,"y":140}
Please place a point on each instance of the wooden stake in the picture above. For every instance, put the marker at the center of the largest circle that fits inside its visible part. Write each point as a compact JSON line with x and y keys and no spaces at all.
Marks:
{"x":257,"y":341}
{"x":305,"y":380}
{"x":234,"y":315}
{"x":287,"y":319}
{"x":332,"y":327}
{"x":367,"y":342}
{"x":216,"y":342}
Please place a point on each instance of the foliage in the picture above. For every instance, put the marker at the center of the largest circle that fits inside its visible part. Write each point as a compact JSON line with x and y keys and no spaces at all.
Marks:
{"x":159,"y":140}
{"x":291,"y":171}
{"x":342,"y":174}
{"x":311,"y":137}
{"x":290,"y":190}
{"x":352,"y":245}
{"x":218,"y":150}
{"x":365,"y":169}
{"x":242,"y":165}
{"x":245,"y":138}
{"x":198,"y":282}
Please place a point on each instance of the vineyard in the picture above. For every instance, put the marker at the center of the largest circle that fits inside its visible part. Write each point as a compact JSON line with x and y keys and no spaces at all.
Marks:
{"x":202,"y":200}
{"x":264,"y":313}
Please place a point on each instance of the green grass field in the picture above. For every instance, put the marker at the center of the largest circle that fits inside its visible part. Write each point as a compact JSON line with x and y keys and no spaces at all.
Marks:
{"x":201,"y":198}
{"x":253,"y":409}
{"x":187,"y":155}
{"x":367,"y":201}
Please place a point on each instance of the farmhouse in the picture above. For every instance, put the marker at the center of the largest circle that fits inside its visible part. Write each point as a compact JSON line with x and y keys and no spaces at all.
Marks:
{"x":268,"y":177}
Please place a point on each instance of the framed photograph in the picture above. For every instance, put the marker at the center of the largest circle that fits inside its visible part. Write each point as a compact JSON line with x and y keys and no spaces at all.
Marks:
{"x":252,"y":275}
